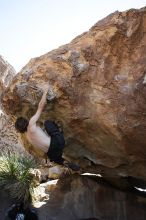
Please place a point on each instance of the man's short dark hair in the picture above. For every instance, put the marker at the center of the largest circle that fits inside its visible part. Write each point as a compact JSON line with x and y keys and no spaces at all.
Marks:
{"x":21,"y":124}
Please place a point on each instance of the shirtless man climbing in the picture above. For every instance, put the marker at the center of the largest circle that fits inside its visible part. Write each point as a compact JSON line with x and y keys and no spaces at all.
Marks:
{"x":51,"y":143}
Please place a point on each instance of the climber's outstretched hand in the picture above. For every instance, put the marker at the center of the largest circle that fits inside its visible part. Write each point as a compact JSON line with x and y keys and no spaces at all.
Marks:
{"x":44,"y":87}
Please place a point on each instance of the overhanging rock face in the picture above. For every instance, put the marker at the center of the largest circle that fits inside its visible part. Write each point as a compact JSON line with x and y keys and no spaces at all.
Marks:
{"x":98,"y":92}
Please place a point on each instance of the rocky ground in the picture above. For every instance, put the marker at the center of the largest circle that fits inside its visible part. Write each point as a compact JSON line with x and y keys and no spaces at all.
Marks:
{"x":82,"y":197}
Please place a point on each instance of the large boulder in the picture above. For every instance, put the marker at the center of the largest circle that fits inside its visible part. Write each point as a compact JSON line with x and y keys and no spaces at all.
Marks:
{"x":97,"y":90}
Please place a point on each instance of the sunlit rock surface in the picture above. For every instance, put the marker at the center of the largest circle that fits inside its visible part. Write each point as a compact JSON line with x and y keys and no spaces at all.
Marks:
{"x":9,"y":139}
{"x":78,"y":198}
{"x":44,"y":173}
{"x":98,"y":91}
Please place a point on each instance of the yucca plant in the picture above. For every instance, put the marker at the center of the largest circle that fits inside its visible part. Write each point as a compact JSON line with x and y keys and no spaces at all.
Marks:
{"x":15,"y":176}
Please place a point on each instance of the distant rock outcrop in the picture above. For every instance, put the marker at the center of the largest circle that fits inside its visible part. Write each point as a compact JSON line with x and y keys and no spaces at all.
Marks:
{"x":98,"y":92}
{"x":7,"y":72}
{"x":9,"y":139}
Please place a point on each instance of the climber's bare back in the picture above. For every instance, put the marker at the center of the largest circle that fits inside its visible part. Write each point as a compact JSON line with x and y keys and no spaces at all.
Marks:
{"x":38,"y":138}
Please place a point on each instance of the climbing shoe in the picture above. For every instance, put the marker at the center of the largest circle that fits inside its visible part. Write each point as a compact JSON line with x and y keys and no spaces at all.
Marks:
{"x":73,"y":166}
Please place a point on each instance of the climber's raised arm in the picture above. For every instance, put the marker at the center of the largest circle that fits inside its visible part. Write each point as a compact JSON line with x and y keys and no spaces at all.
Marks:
{"x":41,"y":105}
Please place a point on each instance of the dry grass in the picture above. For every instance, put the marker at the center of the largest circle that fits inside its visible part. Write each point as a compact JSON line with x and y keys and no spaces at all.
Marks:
{"x":15,"y":177}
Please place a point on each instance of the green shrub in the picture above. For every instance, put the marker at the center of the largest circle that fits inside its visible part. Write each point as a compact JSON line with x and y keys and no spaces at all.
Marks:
{"x":15,"y":177}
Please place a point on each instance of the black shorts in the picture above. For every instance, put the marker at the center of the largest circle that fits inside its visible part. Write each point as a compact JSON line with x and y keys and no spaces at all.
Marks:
{"x":57,"y":142}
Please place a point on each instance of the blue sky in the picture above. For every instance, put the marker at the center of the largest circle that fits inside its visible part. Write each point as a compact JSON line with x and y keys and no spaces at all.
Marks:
{"x":30,"y":28}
